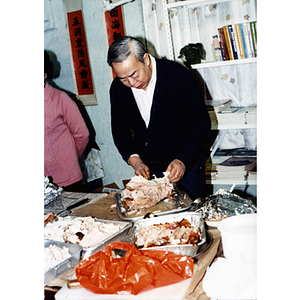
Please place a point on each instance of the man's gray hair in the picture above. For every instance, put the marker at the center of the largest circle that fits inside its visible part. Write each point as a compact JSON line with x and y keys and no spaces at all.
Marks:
{"x":123,"y":47}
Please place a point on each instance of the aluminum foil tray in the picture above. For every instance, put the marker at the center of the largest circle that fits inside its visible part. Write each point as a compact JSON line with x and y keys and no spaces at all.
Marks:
{"x":71,"y":262}
{"x":180,"y":203}
{"x":88,"y":251}
{"x":188,"y":250}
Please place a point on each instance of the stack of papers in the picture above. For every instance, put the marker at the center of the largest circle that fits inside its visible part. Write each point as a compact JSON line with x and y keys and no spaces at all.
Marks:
{"x":235,"y":168}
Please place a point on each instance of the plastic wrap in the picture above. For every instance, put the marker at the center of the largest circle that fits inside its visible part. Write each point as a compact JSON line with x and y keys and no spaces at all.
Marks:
{"x":224,"y":204}
{"x":136,"y":271}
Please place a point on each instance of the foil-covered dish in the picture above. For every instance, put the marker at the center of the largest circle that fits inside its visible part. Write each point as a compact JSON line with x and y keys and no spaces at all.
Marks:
{"x":191,"y":250}
{"x":51,"y":191}
{"x":223,"y":204}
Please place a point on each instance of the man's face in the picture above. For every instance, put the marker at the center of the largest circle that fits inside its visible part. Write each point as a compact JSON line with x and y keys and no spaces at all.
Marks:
{"x":133,"y":73}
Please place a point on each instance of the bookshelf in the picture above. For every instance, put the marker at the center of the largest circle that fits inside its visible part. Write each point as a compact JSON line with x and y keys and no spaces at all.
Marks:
{"x":174,"y":4}
{"x":224,"y":63}
{"x":172,"y":24}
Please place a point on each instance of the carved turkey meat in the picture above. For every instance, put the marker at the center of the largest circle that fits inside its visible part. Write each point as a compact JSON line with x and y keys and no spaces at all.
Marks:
{"x":141,"y":193}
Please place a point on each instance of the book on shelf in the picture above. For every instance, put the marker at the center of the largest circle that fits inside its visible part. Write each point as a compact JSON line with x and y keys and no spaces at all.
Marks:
{"x":233,"y":42}
{"x":224,"y":51}
{"x":229,"y":110}
{"x":237,"y":41}
{"x":248,"y":34}
{"x":236,"y":164}
{"x":251,"y":109}
{"x":254,"y":36}
{"x":247,"y":42}
{"x":232,"y":169}
{"x":228,"y":43}
{"x":252,"y":173}
{"x":210,"y":170}
{"x":243,"y":37}
{"x":230,"y":178}
{"x":210,"y":167}
{"x":223,"y":114}
{"x":217,"y":49}
{"x":218,"y":105}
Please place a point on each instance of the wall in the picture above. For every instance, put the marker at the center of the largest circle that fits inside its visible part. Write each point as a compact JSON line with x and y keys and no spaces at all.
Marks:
{"x":56,"y":40}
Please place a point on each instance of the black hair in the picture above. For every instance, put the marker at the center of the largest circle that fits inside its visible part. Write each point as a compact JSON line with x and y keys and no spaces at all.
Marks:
{"x":48,"y":65}
{"x":121,"y":48}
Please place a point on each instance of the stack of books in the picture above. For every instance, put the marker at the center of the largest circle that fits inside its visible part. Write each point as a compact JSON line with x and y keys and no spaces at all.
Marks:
{"x":236,"y":41}
{"x":216,"y":106}
{"x":252,"y":174}
{"x":232,"y":169}
{"x":210,"y":170}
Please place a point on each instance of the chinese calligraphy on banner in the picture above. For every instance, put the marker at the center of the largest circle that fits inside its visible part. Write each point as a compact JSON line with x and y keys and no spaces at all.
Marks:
{"x":114,"y":24}
{"x":79,"y":53}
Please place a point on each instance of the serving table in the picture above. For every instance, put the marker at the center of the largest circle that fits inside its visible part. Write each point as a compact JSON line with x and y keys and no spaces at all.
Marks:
{"x":189,"y":289}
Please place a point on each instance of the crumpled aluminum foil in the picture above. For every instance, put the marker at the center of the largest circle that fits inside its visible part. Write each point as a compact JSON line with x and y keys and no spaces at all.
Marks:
{"x":224,"y":203}
{"x":51,"y":191}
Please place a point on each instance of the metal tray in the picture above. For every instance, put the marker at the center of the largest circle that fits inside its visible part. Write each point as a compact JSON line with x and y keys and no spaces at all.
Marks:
{"x":181,"y":202}
{"x":88,"y":251}
{"x":202,"y":248}
{"x":71,"y":262}
{"x":189,"y":250}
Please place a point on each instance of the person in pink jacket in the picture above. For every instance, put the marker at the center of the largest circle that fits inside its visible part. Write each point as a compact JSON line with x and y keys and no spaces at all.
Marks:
{"x":65,"y":136}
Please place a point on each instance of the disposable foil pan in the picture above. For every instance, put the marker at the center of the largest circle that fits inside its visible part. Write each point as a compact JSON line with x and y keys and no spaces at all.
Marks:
{"x":188,"y":250}
{"x":51,"y":191}
{"x":179,"y":203}
{"x":117,"y":236}
{"x":71,"y":262}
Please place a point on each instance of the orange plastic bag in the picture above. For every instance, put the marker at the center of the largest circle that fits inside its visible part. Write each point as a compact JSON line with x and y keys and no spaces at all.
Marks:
{"x":137,"y":271}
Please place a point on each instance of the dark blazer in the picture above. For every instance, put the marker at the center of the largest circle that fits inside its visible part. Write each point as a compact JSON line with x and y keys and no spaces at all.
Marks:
{"x":179,"y":122}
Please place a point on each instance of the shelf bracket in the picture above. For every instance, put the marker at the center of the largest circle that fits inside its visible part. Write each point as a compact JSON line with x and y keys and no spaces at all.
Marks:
{"x":232,"y":187}
{"x":217,"y":144}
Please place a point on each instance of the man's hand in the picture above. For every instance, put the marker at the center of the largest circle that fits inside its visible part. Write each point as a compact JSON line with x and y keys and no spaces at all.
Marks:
{"x":176,"y":169}
{"x":139,"y":167}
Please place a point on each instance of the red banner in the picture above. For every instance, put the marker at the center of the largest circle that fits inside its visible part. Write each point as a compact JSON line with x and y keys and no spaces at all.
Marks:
{"x":114,"y":24}
{"x":80,"y":54}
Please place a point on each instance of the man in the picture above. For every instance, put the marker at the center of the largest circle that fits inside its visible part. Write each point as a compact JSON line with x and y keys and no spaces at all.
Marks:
{"x":159,"y":119}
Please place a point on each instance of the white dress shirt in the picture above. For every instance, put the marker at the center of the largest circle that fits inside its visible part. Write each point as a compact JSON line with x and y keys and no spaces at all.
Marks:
{"x":144,"y":98}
